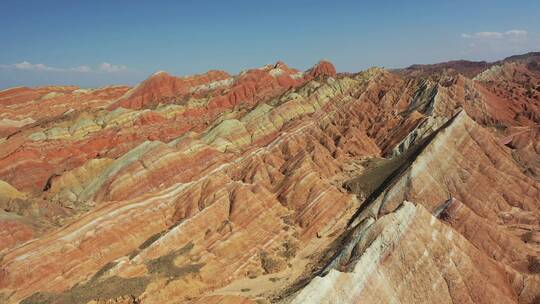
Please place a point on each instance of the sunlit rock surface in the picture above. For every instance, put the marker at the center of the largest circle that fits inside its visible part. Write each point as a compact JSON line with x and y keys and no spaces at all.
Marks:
{"x":276,"y":186}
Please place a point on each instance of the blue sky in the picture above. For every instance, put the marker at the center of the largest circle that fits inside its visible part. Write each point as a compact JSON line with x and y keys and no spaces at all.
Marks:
{"x":95,"y":43}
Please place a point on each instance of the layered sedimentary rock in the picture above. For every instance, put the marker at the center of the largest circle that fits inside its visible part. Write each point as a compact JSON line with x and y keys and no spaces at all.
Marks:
{"x":164,"y":87}
{"x":275,"y":186}
{"x":411,"y":257}
{"x":476,"y":195}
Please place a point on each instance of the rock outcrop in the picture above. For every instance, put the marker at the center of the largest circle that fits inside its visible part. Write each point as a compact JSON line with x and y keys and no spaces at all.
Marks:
{"x":275,"y":186}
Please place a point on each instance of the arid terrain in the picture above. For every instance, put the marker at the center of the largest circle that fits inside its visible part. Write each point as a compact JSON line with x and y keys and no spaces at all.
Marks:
{"x":415,"y":185}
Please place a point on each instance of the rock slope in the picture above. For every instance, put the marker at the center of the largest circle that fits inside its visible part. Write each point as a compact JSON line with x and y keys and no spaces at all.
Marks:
{"x":276,"y":186}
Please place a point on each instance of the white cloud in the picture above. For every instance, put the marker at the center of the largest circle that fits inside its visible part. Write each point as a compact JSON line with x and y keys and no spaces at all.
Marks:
{"x":25,"y":65}
{"x":494,"y":45}
{"x":516,"y":33}
{"x":105,"y":67}
{"x":111,"y":68}
{"x":82,"y":69}
{"x":496,"y":35}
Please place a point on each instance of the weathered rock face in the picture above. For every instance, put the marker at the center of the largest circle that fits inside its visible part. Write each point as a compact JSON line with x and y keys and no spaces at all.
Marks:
{"x":323,"y":68}
{"x":451,"y":177}
{"x":162,"y":87}
{"x":274,"y":185}
{"x":409,"y":256}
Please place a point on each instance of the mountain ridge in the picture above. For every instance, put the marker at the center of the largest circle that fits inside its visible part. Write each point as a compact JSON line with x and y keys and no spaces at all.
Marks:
{"x":275,"y":186}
